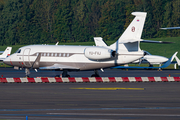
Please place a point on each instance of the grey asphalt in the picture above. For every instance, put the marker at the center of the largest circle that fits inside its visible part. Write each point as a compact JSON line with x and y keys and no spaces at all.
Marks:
{"x":67,"y":101}
{"x":10,"y":72}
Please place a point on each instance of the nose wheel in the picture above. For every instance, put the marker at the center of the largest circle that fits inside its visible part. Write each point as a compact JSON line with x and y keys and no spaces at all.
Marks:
{"x":27,"y":72}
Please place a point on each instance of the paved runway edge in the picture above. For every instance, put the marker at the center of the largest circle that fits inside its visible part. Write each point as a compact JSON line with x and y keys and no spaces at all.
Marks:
{"x":88,"y":79}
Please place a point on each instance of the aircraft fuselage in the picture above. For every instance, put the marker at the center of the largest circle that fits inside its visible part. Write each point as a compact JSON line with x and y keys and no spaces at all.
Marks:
{"x":70,"y":57}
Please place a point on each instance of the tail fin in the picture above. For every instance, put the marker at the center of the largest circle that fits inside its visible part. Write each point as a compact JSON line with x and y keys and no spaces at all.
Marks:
{"x":7,"y":52}
{"x":178,"y":61}
{"x":129,"y":40}
{"x":169,"y":61}
{"x":134,"y":30}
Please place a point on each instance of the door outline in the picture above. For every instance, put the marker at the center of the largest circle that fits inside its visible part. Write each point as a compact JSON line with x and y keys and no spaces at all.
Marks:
{"x":26,"y":57}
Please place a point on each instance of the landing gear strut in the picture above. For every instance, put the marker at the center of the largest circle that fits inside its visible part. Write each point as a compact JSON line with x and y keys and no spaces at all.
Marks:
{"x":96,"y":74}
{"x":27,"y":72}
{"x":65,"y":74}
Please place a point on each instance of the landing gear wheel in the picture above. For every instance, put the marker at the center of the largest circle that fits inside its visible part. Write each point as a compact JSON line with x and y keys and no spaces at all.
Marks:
{"x":150,"y":65}
{"x":27,"y":72}
{"x":95,"y":75}
{"x":64,"y":74}
{"x":57,"y":76}
{"x":67,"y":75}
{"x":27,"y":76}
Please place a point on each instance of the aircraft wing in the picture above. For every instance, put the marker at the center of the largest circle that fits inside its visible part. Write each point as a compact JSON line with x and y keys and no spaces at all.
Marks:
{"x":163,"y":66}
{"x":58,"y":66}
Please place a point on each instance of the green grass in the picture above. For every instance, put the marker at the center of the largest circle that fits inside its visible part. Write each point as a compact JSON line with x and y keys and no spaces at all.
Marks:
{"x":166,"y":50}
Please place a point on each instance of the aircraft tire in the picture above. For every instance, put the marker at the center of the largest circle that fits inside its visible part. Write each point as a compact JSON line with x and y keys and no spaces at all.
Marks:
{"x":95,"y":75}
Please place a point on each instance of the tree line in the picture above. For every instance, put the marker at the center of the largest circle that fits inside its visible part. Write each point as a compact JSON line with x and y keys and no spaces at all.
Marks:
{"x":48,"y":21}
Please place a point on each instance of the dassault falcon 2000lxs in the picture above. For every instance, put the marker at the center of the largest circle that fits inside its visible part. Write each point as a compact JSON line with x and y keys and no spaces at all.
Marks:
{"x":67,"y":58}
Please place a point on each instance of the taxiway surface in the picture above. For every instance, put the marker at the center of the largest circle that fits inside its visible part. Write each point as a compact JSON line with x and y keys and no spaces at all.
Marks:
{"x":91,"y":101}
{"x":51,"y":101}
{"x":10,"y":72}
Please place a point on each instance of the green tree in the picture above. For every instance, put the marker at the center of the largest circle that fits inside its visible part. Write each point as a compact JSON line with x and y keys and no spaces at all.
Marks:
{"x":112,"y":20}
{"x":9,"y":21}
{"x":63,"y":21}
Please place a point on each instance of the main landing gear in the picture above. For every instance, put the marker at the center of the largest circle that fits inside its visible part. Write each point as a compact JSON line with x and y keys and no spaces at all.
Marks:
{"x":96,"y":74}
{"x":65,"y":73}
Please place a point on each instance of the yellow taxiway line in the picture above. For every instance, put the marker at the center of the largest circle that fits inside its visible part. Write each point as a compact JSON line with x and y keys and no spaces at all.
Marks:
{"x":109,"y":88}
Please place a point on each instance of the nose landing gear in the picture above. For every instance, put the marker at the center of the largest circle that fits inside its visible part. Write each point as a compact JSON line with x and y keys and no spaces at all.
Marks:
{"x":27,"y":71}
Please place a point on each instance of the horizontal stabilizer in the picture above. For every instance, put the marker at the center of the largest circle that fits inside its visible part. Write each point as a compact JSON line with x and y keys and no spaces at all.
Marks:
{"x":151,"y":41}
{"x":130,"y":41}
{"x":170,"y":28}
{"x":145,"y":41}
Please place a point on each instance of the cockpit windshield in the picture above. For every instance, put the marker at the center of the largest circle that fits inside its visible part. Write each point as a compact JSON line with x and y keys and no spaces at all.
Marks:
{"x":146,"y":53}
{"x":18,"y":51}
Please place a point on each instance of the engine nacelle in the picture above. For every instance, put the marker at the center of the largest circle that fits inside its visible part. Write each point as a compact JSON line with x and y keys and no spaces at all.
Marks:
{"x":99,"y":53}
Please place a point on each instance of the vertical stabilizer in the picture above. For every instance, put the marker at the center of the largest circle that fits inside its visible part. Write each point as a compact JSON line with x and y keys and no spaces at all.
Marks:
{"x":130,"y":39}
{"x":134,"y":30}
{"x":178,"y":61}
{"x":6,"y":53}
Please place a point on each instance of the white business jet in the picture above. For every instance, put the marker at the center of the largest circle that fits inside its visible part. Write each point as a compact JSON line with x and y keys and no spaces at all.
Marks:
{"x":5,"y":53}
{"x":151,"y":59}
{"x":67,"y":58}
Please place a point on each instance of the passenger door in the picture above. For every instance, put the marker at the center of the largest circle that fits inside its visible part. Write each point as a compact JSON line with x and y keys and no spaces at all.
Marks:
{"x":26,"y":57}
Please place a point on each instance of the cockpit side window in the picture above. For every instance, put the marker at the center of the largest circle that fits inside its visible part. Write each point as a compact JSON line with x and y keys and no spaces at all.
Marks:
{"x":18,"y":51}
